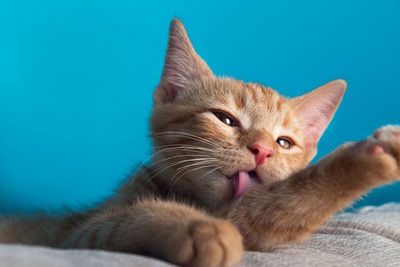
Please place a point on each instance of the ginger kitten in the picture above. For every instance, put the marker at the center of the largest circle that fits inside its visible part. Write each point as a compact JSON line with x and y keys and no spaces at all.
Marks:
{"x":229,"y":172}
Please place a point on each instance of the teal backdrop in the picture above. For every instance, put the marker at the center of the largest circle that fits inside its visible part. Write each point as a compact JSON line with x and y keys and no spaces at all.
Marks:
{"x":76,"y":80}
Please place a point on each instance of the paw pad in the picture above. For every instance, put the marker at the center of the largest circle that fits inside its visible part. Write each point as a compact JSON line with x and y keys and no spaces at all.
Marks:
{"x":376,"y":150}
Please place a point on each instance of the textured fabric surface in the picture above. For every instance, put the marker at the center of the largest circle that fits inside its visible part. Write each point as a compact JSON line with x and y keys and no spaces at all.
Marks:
{"x":366,"y":237}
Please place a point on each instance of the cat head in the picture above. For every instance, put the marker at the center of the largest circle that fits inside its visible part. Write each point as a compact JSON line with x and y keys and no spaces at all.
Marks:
{"x":214,"y":138}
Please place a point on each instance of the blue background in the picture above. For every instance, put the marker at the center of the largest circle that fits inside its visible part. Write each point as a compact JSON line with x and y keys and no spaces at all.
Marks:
{"x":76,"y":80}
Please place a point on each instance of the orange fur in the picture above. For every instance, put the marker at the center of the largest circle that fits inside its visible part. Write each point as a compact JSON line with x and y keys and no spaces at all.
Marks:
{"x":182,"y":209}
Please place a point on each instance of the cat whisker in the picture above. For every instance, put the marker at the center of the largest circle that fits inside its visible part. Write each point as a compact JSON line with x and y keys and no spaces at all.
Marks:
{"x":150,"y":157}
{"x":175,"y":180}
{"x":199,"y":159}
{"x":213,"y":170}
{"x":194,"y":152}
{"x":180,"y":147}
{"x":184,"y":147}
{"x":157,"y":173}
{"x":177,"y":150}
{"x":189,"y":136}
{"x":194,"y":164}
{"x":187,"y":148}
{"x":160,"y":171}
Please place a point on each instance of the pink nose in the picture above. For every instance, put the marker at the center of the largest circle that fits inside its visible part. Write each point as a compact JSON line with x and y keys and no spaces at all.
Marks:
{"x":261,"y":152}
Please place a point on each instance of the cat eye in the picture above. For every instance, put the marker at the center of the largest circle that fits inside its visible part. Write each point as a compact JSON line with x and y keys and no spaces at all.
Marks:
{"x":225,"y":118}
{"x":284,"y":142}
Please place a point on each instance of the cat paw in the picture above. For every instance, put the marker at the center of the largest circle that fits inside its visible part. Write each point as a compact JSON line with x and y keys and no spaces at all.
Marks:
{"x":382,"y":150}
{"x":209,"y":244}
{"x":376,"y":159}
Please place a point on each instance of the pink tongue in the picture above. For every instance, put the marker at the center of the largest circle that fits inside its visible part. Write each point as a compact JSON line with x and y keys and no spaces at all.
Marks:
{"x":240,"y":182}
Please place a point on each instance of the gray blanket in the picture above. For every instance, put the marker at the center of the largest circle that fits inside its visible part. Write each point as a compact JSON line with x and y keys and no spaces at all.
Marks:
{"x":367,"y":237}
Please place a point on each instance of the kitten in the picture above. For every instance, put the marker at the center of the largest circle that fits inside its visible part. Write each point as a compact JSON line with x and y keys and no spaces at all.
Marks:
{"x":229,"y":172}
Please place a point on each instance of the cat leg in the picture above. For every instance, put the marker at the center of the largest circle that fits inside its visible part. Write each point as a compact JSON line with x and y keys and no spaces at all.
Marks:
{"x":290,"y":210}
{"x":168,"y":230}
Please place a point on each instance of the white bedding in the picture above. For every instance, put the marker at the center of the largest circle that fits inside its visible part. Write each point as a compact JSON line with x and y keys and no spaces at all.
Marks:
{"x":367,"y":237}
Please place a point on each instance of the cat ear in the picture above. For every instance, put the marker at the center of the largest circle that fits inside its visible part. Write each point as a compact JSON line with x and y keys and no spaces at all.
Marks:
{"x":317,"y":108}
{"x":182,"y":64}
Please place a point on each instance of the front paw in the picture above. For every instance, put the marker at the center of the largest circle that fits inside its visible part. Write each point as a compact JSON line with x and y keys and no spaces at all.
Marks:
{"x":208,"y":243}
{"x":374,"y":161}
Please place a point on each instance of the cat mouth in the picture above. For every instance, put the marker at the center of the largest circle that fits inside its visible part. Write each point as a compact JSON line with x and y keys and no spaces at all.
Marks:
{"x":243,"y":181}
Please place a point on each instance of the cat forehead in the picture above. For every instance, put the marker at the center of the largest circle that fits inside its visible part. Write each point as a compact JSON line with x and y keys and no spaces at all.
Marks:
{"x":253,"y":104}
{"x":240,"y":95}
{"x":237,"y":94}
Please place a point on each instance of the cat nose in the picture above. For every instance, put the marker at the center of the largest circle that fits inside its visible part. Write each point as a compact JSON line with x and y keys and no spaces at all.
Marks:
{"x":261,"y":152}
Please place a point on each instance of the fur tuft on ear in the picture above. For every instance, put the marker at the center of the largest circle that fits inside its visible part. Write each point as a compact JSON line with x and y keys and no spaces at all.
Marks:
{"x":317,"y":108}
{"x":182,"y":65}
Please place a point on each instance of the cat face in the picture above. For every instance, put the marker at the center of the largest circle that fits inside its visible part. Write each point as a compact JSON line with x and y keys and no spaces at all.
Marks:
{"x":216,"y":138}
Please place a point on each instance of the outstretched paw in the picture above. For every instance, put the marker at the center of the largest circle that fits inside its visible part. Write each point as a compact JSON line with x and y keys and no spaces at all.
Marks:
{"x":384,"y":142}
{"x":377,"y":157}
